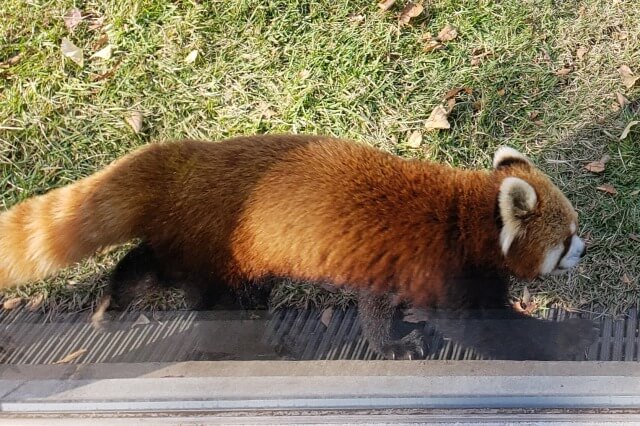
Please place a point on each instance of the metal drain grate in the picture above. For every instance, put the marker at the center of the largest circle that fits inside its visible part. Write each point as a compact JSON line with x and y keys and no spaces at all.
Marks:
{"x":30,"y":338}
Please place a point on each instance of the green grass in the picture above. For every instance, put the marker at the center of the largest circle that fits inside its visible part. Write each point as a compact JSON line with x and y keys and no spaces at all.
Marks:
{"x":302,"y":66}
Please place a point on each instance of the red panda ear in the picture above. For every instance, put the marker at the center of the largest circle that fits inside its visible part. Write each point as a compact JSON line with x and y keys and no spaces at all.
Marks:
{"x":516,"y":200}
{"x":505,"y":156}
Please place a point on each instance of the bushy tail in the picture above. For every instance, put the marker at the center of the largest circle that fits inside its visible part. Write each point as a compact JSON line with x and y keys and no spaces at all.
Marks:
{"x":43,"y":234}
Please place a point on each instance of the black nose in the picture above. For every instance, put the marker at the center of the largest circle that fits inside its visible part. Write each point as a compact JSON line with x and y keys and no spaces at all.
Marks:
{"x":584,"y":251}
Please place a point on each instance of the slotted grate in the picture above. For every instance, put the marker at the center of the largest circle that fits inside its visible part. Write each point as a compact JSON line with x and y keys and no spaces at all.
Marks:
{"x":32,"y":338}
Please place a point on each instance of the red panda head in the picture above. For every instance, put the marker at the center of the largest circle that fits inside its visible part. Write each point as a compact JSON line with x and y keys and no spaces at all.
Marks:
{"x":539,"y":224}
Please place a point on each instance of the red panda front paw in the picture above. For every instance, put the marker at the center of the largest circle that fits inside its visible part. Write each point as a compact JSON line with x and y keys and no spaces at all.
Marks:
{"x":410,"y":347}
{"x":573,"y":337}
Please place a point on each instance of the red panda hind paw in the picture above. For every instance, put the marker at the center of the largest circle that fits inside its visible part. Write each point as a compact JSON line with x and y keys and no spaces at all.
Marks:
{"x":573,"y":337}
{"x":410,"y":347}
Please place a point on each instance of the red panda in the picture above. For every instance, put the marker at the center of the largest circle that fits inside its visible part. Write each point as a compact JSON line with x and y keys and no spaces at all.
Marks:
{"x":310,"y":208}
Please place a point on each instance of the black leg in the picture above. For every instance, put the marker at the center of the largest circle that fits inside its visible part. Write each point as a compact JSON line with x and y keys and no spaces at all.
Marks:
{"x":479,"y":316}
{"x":379,"y":320}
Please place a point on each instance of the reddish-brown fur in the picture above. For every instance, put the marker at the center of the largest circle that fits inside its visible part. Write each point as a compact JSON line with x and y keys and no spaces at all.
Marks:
{"x":298,"y":206}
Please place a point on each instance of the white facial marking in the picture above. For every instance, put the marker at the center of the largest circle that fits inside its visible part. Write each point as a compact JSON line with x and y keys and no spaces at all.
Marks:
{"x":572,"y":257}
{"x":551,"y":259}
{"x":572,"y":228}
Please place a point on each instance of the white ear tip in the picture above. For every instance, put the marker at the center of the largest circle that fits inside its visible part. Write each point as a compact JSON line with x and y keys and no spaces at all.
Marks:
{"x":505,"y":153}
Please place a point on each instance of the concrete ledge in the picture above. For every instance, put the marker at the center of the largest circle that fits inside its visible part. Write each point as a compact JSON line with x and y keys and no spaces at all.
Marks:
{"x":318,"y":385}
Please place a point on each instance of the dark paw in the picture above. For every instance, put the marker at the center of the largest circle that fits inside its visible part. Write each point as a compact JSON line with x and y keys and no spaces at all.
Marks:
{"x":411,"y":346}
{"x":573,"y":337}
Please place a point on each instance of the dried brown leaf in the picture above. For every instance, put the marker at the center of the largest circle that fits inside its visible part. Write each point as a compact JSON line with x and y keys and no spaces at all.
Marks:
{"x":134,"y":120}
{"x":634,"y":193}
{"x":304,"y":74}
{"x":502,"y":92}
{"x":415,"y":139}
{"x":35,"y":302}
{"x":627,"y":76}
{"x":539,"y":123}
{"x":450,"y":104}
{"x":448,"y":33}
{"x":626,"y":279}
{"x":72,"y":51}
{"x":581,"y":52}
{"x":329,"y":287}
{"x":477,"y":58}
{"x":526,"y":295}
{"x":563,"y":71}
{"x":627,"y":129}
{"x":11,"y":61}
{"x":386,"y":4}
{"x":96,"y":23}
{"x":326,"y":316}
{"x":72,"y":18}
{"x":12,"y":303}
{"x":622,"y":100}
{"x":533,"y":115}
{"x":101,"y":42}
{"x":71,"y":357}
{"x":438,"y":119}
{"x":598,"y":166}
{"x":411,"y":10}
{"x":106,"y":74}
{"x":432,"y":45}
{"x":452,"y":93}
{"x":607,"y":188}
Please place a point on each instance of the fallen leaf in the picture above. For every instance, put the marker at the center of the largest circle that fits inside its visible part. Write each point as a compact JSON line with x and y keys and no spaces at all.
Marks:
{"x":432,"y":45}
{"x":35,"y":303}
{"x":386,"y":5}
{"x":625,"y":279}
{"x":622,"y":100}
{"x":607,"y":188}
{"x":526,"y":295}
{"x":356,"y":19}
{"x":104,"y":53}
{"x":634,"y":193}
{"x":450,"y":104}
{"x":598,"y":166}
{"x":134,"y":120}
{"x":100,"y":42}
{"x":325,"y":318}
{"x":72,"y":356}
{"x":72,"y":51}
{"x":437,"y":119}
{"x":72,"y":18}
{"x":448,"y":33}
{"x":581,"y":52}
{"x":415,"y":139}
{"x":635,"y":237}
{"x":501,"y":92}
{"x":563,"y":71}
{"x":539,"y":123}
{"x":265,"y":110}
{"x":628,"y":79}
{"x":452,"y":93}
{"x":12,"y":303}
{"x":533,"y":115}
{"x":142,"y":320}
{"x":11,"y":61}
{"x":627,"y":129}
{"x":477,"y":58}
{"x":411,"y":10}
{"x":525,"y":308}
{"x":106,"y":74}
{"x":191,"y":57}
{"x":96,"y":23}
